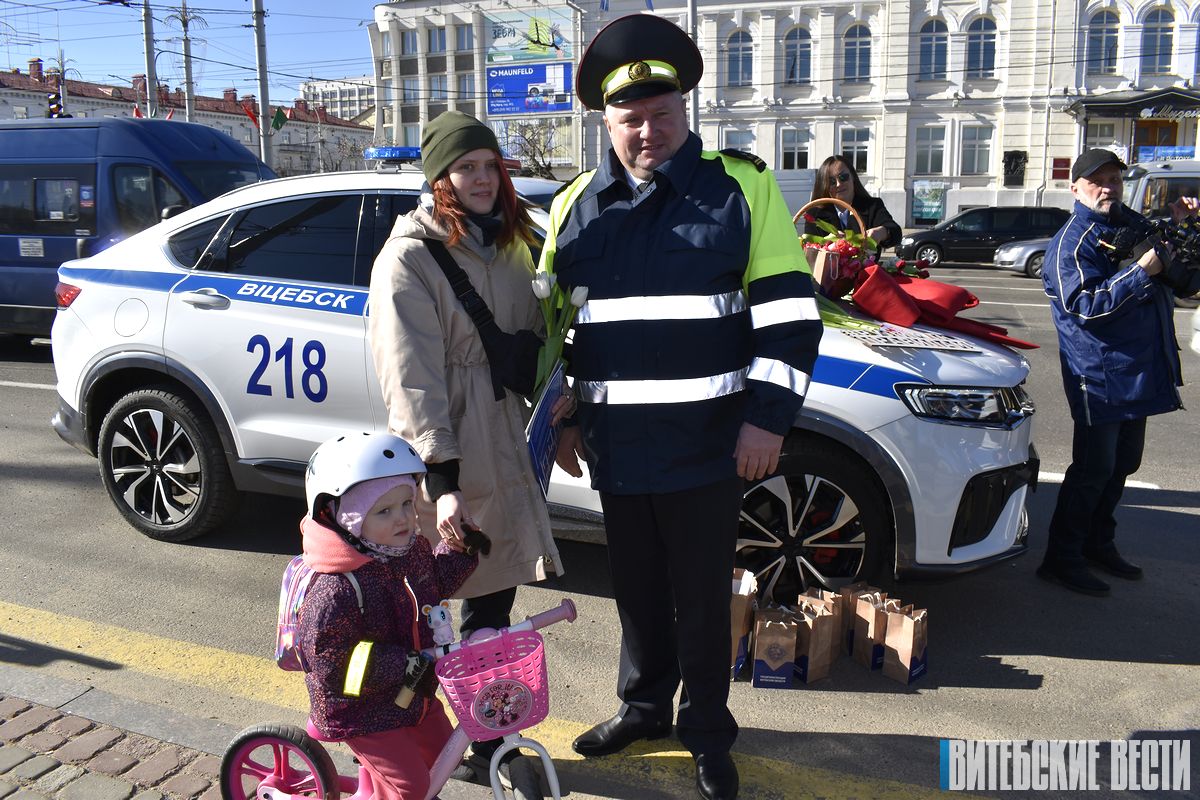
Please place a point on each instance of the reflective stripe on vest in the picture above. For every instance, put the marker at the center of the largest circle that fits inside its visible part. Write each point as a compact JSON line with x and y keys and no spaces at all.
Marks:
{"x":680,"y":390}
{"x":789,"y":309}
{"x":357,"y":669}
{"x":623,"y":309}
{"x":770,"y":370}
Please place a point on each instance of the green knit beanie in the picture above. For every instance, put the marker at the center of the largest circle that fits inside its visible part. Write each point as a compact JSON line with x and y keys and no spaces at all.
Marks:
{"x":448,"y":137}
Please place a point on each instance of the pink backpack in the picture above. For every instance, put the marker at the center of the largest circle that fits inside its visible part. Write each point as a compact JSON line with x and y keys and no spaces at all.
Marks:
{"x":296,"y":578}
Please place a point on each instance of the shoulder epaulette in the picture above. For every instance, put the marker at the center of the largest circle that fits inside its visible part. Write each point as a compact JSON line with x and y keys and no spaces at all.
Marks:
{"x":567,"y":184}
{"x":758,"y":163}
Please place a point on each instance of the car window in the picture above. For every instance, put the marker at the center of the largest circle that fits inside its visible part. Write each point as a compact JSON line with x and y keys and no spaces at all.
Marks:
{"x":1049,"y":220}
{"x":47,"y":199}
{"x":1009,"y":220}
{"x":972,"y":221}
{"x":141,"y":194}
{"x":215,"y":178}
{"x":189,"y":244}
{"x":311,"y":239}
{"x":384,"y":209}
{"x":1161,"y":192}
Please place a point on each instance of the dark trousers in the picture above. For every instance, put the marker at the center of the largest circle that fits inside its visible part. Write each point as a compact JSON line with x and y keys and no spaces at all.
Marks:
{"x":1102,"y":458}
{"x":671,"y":557}
{"x":486,"y":611}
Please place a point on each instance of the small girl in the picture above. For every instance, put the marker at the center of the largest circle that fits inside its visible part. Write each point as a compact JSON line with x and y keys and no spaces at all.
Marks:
{"x":358,"y":634}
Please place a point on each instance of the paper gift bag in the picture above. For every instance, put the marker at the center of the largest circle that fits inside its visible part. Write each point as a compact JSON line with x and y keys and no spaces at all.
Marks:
{"x":828,"y":273}
{"x":870,"y":628}
{"x":815,"y":637}
{"x":741,"y":618}
{"x":848,"y":599}
{"x":832,"y":603}
{"x":905,"y":657}
{"x":774,"y":648}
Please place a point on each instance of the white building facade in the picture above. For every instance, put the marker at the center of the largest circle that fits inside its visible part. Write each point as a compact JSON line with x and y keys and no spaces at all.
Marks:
{"x":345,"y":97}
{"x":942,"y":104}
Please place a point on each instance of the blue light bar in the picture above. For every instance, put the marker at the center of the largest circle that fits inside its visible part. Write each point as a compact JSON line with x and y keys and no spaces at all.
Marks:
{"x":392,"y":153}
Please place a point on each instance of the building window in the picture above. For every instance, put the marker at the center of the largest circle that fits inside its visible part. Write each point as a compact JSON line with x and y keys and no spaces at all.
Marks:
{"x":464,"y":37}
{"x":466,"y":86}
{"x":976,"y":150}
{"x":385,"y":43}
{"x":933,"y":51}
{"x":981,"y":48}
{"x":1101,"y":134}
{"x":412,"y":135}
{"x":855,"y":143}
{"x":1102,"y":37}
{"x":740,"y":59}
{"x":20,"y":112}
{"x":411,"y":91}
{"x":1156,"y":42}
{"x":739,"y":140}
{"x":858,"y":54}
{"x":797,"y":57}
{"x":793,"y":146}
{"x":437,"y":87}
{"x":931,"y":145}
{"x":437,"y":40}
{"x":408,"y":43}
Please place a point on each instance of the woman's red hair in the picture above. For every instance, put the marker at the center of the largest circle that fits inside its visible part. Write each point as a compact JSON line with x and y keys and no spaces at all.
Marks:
{"x":450,"y":214}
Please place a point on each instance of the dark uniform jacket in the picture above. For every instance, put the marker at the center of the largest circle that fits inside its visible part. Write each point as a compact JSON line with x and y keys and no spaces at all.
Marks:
{"x":1117,"y":345}
{"x":700,"y":316}
{"x":873,"y":212}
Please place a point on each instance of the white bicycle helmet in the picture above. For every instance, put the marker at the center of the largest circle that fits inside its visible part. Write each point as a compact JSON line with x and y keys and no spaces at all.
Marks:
{"x":352,"y":458}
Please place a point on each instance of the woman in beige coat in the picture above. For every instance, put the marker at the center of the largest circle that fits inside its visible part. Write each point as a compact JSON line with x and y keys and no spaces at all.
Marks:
{"x":434,"y":372}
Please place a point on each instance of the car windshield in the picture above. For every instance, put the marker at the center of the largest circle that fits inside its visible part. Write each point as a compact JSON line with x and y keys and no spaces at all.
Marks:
{"x":215,"y":178}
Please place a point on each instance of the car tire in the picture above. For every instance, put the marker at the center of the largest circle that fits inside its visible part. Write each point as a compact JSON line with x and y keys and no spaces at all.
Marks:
{"x":172,"y":492}
{"x":1033,"y":267}
{"x":930,"y":253}
{"x":822,"y":520}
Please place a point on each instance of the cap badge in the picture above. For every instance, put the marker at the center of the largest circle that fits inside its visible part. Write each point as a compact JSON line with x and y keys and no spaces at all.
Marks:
{"x":639,"y":71}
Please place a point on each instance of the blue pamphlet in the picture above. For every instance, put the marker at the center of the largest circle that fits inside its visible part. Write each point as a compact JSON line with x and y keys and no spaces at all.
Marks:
{"x":541,"y":435}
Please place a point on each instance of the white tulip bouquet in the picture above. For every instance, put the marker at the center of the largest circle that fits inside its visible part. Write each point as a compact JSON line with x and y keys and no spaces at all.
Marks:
{"x":558,"y":310}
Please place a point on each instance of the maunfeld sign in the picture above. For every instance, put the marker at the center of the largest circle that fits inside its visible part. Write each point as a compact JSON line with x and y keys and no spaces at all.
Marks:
{"x":1169,"y":112}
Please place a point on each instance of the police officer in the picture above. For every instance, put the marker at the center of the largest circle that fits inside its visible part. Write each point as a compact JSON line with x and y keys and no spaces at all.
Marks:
{"x":690,"y":361}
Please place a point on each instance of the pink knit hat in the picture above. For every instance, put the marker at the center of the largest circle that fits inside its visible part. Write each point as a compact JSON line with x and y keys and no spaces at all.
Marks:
{"x":357,"y":501}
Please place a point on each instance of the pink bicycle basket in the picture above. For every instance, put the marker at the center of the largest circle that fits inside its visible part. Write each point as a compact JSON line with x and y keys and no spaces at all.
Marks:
{"x":497,"y":686}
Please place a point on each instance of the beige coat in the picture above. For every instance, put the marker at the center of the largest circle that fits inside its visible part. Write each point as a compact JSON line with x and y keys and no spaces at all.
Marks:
{"x":438,"y":390}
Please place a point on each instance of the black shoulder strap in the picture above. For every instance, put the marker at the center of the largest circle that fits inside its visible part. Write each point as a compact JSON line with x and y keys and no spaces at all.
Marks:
{"x":758,"y":163}
{"x":478,"y":310}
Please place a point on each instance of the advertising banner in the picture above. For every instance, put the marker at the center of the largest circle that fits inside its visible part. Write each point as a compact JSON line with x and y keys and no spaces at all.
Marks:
{"x":929,"y":201}
{"x":528,"y":89}
{"x":521,"y":36}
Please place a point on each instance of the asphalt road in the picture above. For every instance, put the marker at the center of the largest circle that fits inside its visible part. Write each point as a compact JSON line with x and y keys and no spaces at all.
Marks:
{"x":187,"y":628}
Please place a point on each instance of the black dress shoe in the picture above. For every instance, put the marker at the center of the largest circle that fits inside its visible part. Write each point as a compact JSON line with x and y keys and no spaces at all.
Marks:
{"x":1111,"y":562}
{"x":614,"y":735}
{"x":716,"y":776}
{"x":1076,"y":578}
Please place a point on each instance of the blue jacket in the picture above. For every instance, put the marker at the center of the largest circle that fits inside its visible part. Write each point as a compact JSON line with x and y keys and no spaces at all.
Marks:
{"x":700,"y":316}
{"x":1116,"y":335}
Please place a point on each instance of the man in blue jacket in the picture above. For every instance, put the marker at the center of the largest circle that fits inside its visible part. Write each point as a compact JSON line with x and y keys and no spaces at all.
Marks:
{"x":1109,"y":280}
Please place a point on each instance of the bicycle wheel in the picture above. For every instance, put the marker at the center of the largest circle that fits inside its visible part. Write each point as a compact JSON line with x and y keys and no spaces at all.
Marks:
{"x":281,"y":757}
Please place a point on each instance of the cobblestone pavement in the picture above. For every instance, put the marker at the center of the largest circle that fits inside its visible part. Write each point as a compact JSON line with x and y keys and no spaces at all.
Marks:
{"x":46,"y":754}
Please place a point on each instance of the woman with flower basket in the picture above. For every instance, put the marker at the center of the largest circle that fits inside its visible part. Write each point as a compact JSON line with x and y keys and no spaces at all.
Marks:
{"x":837,"y":178}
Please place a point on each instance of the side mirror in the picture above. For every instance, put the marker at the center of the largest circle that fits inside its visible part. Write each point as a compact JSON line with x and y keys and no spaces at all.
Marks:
{"x":171,"y":211}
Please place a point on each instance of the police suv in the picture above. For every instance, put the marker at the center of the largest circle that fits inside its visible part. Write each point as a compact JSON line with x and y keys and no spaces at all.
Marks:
{"x":210,"y":355}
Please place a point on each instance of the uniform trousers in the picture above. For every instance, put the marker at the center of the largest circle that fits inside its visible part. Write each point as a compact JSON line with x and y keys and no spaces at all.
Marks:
{"x":399,"y":760}
{"x":1102,"y":458}
{"x":671,"y":557}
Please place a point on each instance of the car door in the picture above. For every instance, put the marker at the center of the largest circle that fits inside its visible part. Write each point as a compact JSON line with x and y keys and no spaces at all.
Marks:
{"x":270,"y":321}
{"x":962,"y":242}
{"x":1008,"y":225}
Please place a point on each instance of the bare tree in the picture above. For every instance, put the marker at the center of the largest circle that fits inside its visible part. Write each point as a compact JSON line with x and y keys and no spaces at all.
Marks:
{"x":536,"y":143}
{"x":343,"y":152}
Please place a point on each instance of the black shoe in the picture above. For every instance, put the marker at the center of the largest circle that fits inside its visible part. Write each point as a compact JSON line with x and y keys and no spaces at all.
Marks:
{"x":1076,"y":578}
{"x":716,"y":776}
{"x":1111,"y":562}
{"x":614,"y":735}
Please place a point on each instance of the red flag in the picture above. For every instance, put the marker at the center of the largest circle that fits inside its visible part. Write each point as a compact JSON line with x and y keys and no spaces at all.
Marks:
{"x":137,"y":111}
{"x":170,"y":113}
{"x":249,"y":109}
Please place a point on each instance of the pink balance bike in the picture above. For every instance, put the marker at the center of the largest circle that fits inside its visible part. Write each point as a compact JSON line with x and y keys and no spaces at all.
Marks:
{"x":496,"y":684}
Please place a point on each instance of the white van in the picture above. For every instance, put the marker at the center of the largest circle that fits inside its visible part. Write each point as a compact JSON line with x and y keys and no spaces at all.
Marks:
{"x":1152,"y":186}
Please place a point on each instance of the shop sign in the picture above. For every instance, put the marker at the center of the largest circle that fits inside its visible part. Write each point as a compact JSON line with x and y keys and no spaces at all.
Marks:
{"x":1169,"y":112}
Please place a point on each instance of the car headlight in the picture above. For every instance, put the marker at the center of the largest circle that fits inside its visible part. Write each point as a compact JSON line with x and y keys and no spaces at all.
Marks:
{"x":907,"y":240}
{"x":1005,"y":406}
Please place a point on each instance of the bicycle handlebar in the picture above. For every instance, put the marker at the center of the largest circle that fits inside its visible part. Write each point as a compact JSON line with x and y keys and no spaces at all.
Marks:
{"x":564,"y":611}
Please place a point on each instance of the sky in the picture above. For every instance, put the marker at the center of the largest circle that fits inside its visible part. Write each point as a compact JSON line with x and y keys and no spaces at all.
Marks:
{"x":321,"y":39}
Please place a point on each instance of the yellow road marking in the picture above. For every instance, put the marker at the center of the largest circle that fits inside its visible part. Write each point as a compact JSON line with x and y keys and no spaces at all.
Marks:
{"x":259,"y":679}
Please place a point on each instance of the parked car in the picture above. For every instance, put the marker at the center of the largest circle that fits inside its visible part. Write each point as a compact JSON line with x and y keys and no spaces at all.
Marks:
{"x":71,"y":187}
{"x":1025,"y":256}
{"x":974,"y":235}
{"x":211,"y":354}
{"x":1151,"y":187}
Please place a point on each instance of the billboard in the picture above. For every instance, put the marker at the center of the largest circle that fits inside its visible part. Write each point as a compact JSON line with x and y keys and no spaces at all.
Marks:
{"x":528,"y":89}
{"x":521,"y":36}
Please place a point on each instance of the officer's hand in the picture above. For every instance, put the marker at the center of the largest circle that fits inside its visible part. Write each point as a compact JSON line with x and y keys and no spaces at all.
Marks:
{"x":570,"y":450}
{"x":1184,"y":207}
{"x":757,"y":452}
{"x":1150,"y":262}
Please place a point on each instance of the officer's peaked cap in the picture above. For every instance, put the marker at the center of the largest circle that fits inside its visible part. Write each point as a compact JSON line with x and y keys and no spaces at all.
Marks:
{"x":635,"y":57}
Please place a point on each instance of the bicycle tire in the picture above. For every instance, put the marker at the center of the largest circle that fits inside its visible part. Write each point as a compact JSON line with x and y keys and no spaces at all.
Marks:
{"x":246,"y":760}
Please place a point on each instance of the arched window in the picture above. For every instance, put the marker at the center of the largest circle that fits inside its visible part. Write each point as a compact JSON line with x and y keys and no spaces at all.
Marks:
{"x":1103,"y":31}
{"x":797,"y":57}
{"x":1157,"y":42}
{"x":858,"y":54}
{"x":741,"y":59}
{"x":933,"y":51}
{"x":981,"y":48}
